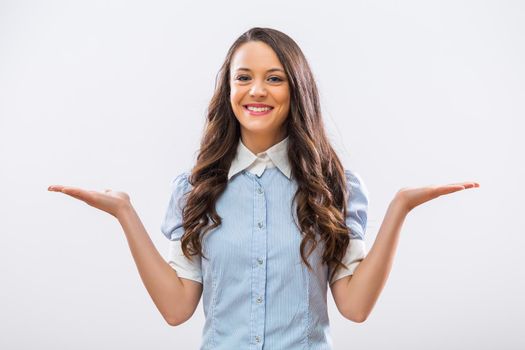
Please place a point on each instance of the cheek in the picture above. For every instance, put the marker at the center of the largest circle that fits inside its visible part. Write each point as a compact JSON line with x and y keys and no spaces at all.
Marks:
{"x":283,"y":96}
{"x":235,"y":96}
{"x":235,"y":101}
{"x":284,"y":102}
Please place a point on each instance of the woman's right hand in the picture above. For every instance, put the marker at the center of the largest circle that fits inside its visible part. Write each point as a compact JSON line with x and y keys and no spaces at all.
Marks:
{"x":112,"y":202}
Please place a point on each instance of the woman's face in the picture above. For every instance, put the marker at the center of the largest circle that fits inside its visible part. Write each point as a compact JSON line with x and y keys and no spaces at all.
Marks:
{"x":257,"y":78}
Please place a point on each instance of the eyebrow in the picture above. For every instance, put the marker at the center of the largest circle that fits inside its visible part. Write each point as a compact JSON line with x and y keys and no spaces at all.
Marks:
{"x":269,"y":70}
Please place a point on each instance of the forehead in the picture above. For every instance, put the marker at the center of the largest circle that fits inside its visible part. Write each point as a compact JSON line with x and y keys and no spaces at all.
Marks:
{"x":255,"y":55}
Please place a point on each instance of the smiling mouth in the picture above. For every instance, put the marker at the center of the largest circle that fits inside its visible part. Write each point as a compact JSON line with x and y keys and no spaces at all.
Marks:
{"x":262,"y":106}
{"x":257,"y":110}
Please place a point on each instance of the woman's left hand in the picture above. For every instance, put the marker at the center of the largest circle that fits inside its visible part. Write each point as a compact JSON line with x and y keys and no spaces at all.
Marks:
{"x":411,"y":197}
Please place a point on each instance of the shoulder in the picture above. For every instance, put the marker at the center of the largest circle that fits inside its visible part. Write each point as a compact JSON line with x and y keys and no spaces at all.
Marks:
{"x":354,"y":178}
{"x":181,"y":181}
{"x":355,"y":182}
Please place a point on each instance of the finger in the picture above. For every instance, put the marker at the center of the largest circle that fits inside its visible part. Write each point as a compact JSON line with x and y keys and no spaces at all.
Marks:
{"x":471,"y":184}
{"x":77,"y":197}
{"x":61,"y":188}
{"x":74,"y":191}
{"x":446,"y":189}
{"x":450,"y":188}
{"x":78,"y":193}
{"x":467,"y":184}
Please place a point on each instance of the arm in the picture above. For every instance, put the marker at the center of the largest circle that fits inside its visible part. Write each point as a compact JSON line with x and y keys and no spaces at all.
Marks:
{"x":356,"y":295}
{"x":176,"y":298}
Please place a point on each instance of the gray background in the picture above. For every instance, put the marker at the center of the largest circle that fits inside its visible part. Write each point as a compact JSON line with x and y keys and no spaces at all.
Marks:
{"x":112,"y":94}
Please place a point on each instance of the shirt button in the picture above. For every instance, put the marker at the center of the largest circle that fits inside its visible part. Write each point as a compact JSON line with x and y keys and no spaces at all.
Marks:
{"x":260,"y":190}
{"x":259,"y":300}
{"x":260,"y":261}
{"x":260,"y":224}
{"x":257,"y":338}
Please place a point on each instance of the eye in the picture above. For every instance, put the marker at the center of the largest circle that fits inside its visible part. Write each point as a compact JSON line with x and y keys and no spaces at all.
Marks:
{"x":241,"y":76}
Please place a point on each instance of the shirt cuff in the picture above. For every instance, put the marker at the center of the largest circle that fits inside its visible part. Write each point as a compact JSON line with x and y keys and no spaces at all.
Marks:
{"x":189,"y":269}
{"x":355,"y":253}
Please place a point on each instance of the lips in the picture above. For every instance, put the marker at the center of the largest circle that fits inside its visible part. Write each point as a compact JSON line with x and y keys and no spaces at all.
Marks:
{"x":259,"y":105}
{"x":257,"y":113}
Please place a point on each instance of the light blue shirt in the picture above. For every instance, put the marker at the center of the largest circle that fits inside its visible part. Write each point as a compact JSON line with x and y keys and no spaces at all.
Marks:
{"x":257,"y":292}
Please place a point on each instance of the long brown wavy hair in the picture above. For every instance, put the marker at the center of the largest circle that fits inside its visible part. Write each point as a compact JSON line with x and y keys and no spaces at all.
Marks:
{"x":321,"y":194}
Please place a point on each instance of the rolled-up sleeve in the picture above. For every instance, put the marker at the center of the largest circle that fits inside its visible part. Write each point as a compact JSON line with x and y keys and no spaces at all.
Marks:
{"x":356,"y":219}
{"x":172,"y":228}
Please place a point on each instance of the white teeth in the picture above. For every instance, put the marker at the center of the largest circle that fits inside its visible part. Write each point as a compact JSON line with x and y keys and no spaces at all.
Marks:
{"x":258,"y":109}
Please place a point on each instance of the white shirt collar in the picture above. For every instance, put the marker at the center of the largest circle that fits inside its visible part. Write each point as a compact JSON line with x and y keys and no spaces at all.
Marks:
{"x":277,"y":155}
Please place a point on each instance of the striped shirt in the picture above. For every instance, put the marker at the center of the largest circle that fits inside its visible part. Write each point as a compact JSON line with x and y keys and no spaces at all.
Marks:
{"x":257,"y":292}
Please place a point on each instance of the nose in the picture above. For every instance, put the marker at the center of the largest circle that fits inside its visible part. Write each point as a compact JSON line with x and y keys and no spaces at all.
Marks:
{"x":257,"y":90}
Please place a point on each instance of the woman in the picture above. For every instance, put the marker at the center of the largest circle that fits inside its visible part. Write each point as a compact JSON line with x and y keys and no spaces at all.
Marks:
{"x":268,"y":217}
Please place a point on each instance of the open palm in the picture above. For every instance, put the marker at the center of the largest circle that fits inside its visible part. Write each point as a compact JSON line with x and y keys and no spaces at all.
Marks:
{"x":414,"y":196}
{"x":109,"y":201}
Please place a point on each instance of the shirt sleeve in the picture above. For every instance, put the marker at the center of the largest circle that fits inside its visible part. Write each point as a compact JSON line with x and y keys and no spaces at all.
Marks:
{"x":172,"y":228}
{"x":356,"y":219}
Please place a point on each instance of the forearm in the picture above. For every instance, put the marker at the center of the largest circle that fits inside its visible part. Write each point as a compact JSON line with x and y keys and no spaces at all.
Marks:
{"x":370,"y":276}
{"x":159,"y":278}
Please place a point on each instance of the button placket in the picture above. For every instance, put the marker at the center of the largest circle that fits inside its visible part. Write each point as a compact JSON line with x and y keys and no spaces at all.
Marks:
{"x":259,"y":237}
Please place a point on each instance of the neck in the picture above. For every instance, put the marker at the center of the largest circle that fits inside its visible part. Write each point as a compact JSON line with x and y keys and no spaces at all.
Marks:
{"x":257,"y":142}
